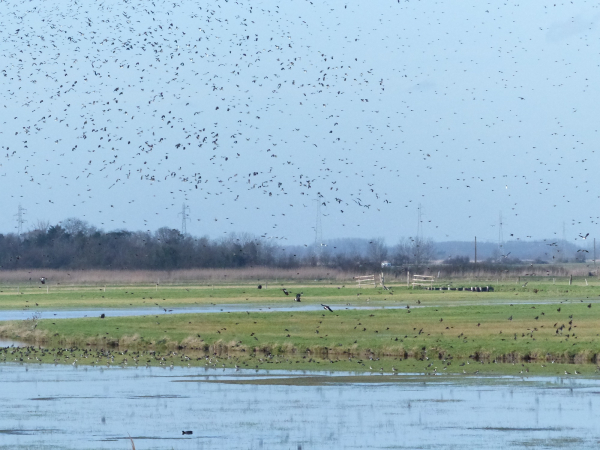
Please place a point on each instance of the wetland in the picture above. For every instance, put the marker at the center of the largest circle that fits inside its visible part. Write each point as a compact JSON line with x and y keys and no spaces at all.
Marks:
{"x":249,"y":368}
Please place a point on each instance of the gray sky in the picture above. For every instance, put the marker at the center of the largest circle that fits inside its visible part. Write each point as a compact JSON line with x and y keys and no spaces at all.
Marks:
{"x":108,"y":112}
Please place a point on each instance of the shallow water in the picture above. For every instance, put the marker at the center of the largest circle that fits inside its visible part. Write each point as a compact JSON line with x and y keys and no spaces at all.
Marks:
{"x":11,"y":343}
{"x":48,"y":407}
{"x":24,"y":314}
{"x":12,"y":314}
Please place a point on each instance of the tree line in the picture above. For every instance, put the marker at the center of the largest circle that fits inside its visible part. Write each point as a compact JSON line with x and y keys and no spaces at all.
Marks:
{"x":75,"y":244}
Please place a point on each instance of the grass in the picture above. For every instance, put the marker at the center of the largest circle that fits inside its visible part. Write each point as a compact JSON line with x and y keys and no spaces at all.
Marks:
{"x":306,"y":369}
{"x":481,"y":273}
{"x":506,"y":332}
{"x":39,"y":297}
{"x":446,"y":325}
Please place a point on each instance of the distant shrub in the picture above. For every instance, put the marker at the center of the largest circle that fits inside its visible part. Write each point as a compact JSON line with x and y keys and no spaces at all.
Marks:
{"x":457,"y":260}
{"x":512,"y":261}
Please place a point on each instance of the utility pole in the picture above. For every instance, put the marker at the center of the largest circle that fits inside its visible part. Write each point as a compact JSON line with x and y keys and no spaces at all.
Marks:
{"x":20,"y":220}
{"x":184,"y":218}
{"x":594,"y":251}
{"x":475,"y":249}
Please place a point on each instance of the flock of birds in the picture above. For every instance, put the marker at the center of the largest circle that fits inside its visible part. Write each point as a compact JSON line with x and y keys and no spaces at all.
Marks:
{"x":119,"y":112}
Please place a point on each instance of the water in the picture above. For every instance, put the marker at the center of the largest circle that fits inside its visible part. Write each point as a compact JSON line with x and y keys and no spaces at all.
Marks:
{"x":66,"y":407}
{"x":24,"y":314}
{"x":15,"y":314}
{"x":11,"y":343}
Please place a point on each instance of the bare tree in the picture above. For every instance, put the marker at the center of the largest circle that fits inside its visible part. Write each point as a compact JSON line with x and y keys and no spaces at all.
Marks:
{"x":377,"y":250}
{"x":74,"y":226}
{"x":413,"y":251}
{"x":422,"y":251}
{"x":41,"y":225}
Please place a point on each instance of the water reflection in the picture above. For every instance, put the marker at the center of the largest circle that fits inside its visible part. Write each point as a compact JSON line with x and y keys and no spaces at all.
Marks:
{"x":10,"y":343}
{"x":24,"y":314}
{"x":121,"y":312}
{"x":80,"y":408}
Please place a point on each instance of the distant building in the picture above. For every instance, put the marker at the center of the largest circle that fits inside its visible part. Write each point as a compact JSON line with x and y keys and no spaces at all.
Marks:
{"x":386,"y":264}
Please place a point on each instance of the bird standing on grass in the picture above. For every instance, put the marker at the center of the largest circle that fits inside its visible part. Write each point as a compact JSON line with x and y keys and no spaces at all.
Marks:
{"x":297,"y":299}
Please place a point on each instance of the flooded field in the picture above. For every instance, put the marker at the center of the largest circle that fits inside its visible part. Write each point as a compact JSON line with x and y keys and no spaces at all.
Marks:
{"x":124,"y":312}
{"x":66,"y":407}
{"x":75,"y":313}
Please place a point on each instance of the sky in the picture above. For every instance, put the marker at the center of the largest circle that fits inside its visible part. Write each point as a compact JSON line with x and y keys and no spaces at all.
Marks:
{"x":251,"y":113}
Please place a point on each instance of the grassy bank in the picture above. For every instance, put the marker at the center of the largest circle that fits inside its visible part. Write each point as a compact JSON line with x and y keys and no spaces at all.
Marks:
{"x":363,"y":370}
{"x":566,"y":332}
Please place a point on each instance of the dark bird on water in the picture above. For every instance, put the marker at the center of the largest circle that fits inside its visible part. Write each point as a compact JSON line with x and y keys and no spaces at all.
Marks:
{"x":326,"y":307}
{"x":102,"y":316}
{"x":187,"y":432}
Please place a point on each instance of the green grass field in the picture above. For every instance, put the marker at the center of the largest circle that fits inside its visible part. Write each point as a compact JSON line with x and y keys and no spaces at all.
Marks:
{"x":81,"y":297}
{"x":540,"y":322}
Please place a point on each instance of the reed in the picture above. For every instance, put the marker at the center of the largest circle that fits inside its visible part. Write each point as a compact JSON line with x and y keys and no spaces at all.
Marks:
{"x":483,"y":271}
{"x":187,"y":276}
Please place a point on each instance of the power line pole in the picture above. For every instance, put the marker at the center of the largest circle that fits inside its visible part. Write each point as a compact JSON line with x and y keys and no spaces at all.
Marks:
{"x":500,"y":234}
{"x":184,"y":218}
{"x":20,"y":220}
{"x":475,"y":249}
{"x":564,"y":243}
{"x":318,"y":231}
{"x":419,"y":224}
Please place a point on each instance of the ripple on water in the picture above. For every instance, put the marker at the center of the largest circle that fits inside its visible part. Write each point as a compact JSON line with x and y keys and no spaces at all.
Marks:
{"x":46,"y":406}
